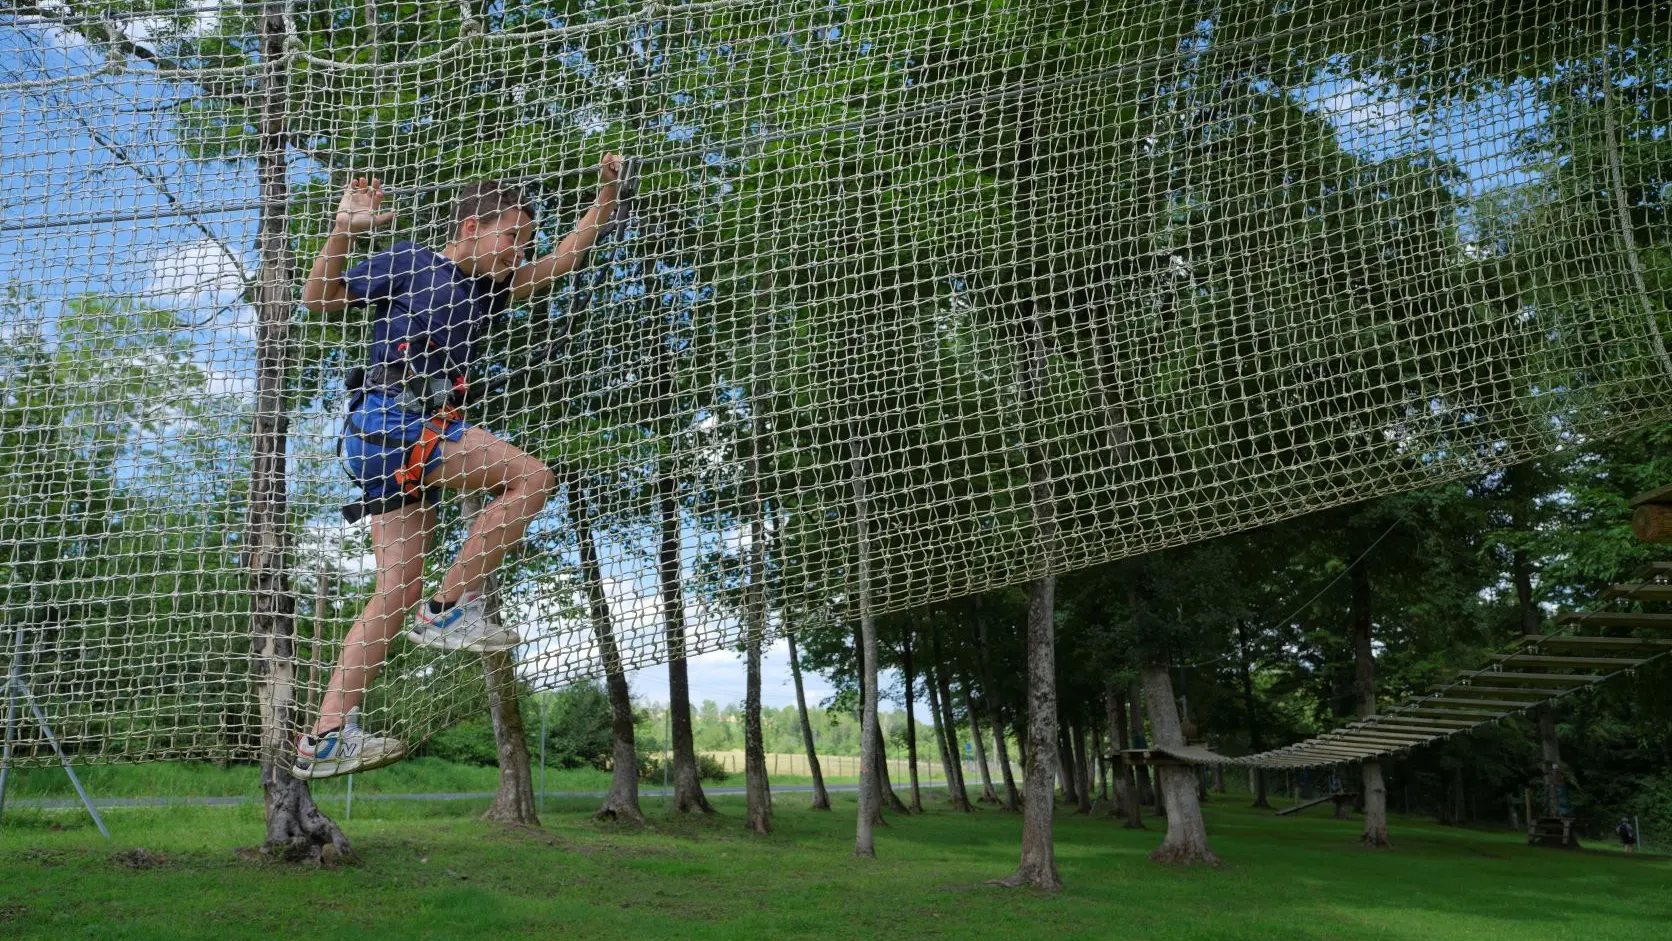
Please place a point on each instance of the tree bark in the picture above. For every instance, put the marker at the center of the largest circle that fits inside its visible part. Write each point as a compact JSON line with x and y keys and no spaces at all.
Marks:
{"x":870,"y":810}
{"x":1082,"y":768}
{"x":758,"y":793}
{"x":1067,"y":774}
{"x":1039,"y":862}
{"x":1364,"y":681}
{"x":1256,"y":738}
{"x":1099,"y":766}
{"x":513,"y":804}
{"x":940,"y":730}
{"x":1130,"y":799}
{"x":885,"y":784}
{"x":821,"y":797}
{"x":1135,"y":702}
{"x":296,"y":830}
{"x":1038,"y":866}
{"x":622,"y":801}
{"x":956,"y":791}
{"x":1550,"y":755}
{"x":1011,"y":802}
{"x":987,"y":793}
{"x":911,"y":723}
{"x":1187,"y":836}
{"x":687,"y":785}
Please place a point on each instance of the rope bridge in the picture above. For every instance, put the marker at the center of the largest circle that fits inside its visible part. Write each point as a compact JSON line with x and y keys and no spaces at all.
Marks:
{"x":992,"y":289}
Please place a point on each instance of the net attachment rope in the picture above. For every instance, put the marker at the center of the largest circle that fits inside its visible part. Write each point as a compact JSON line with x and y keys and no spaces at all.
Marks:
{"x":1185,"y":269}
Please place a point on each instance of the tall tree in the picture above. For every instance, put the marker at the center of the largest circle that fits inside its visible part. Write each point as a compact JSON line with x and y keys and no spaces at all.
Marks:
{"x":984,"y":659}
{"x":295,"y":827}
{"x":957,"y":792}
{"x":821,"y":797}
{"x":1187,"y":836}
{"x":1375,"y":789}
{"x":1256,"y":741}
{"x":910,"y":677}
{"x":988,"y":795}
{"x":687,"y":784}
{"x":513,"y":801}
{"x":621,"y":802}
{"x":870,"y":796}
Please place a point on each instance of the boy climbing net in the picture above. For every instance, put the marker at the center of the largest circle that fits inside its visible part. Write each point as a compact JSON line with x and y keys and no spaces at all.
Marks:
{"x":404,"y":439}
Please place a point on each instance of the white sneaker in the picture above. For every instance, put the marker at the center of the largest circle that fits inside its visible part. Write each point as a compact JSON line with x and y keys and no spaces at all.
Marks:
{"x":464,"y":626}
{"x":344,"y":751}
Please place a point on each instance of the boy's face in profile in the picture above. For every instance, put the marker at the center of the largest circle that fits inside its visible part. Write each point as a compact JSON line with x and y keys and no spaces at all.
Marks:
{"x":494,"y":247}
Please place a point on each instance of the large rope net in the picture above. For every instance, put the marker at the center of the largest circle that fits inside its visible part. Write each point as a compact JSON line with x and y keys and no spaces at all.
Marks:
{"x":992,"y":289}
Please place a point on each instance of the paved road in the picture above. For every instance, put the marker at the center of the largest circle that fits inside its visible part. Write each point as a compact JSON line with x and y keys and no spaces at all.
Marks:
{"x":644,"y":793}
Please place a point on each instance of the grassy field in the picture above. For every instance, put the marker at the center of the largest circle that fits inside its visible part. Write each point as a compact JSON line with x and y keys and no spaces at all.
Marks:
{"x":432,"y":870}
{"x":416,"y":776}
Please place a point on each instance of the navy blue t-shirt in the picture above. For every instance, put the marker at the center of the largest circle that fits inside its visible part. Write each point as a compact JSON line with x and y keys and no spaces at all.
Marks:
{"x":424,"y":300}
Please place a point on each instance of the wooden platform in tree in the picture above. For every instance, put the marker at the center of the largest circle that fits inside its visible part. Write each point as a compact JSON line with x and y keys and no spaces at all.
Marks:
{"x":1589,"y":647}
{"x":1337,"y":797}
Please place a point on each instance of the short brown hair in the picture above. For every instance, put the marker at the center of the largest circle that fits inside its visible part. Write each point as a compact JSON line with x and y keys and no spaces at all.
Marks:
{"x":488,"y":200}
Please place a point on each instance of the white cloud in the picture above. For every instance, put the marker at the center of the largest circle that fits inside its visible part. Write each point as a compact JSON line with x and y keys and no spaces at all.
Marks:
{"x":226,"y":383}
{"x":198,"y":274}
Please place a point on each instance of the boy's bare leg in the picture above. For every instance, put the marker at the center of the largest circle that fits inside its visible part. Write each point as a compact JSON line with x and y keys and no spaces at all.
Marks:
{"x":521,"y":483}
{"x":399,"y":539}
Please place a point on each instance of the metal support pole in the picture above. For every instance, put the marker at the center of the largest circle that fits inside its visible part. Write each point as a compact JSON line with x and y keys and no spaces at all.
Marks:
{"x":15,"y":686}
{"x":11,"y":723}
{"x":348,"y":811}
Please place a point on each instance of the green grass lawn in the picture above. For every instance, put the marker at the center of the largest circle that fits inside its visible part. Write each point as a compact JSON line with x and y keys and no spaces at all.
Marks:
{"x":415,"y":776}
{"x":432,"y":870}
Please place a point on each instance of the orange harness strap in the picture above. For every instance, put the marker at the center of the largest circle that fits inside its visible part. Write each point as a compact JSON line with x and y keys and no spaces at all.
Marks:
{"x":411,"y":474}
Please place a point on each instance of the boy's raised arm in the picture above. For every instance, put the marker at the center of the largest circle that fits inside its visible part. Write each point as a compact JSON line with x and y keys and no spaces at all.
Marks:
{"x":542,"y":273}
{"x":324,"y":291}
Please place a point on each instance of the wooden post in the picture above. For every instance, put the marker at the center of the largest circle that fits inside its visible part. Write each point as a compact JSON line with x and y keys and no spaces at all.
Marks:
{"x":1651,"y":516}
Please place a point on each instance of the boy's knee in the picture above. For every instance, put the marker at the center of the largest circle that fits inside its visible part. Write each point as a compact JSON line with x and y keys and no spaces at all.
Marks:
{"x":538,"y":478}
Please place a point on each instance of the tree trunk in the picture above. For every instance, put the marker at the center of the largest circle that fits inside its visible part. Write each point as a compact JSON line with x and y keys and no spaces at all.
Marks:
{"x":870,"y":809}
{"x":1550,"y":755}
{"x":1068,"y":771}
{"x":513,"y":804}
{"x":940,"y":731}
{"x":1011,"y":802}
{"x":1131,"y":800}
{"x":1364,"y":681}
{"x":1187,"y":835}
{"x":622,"y":801}
{"x":1256,"y":738}
{"x":1135,"y":700}
{"x":296,"y":830}
{"x":687,"y":785}
{"x":821,"y":797}
{"x":885,"y":785}
{"x":1099,"y":766}
{"x":956,"y":790}
{"x":1082,"y":767}
{"x":758,"y":793}
{"x":1112,"y":764}
{"x":911,"y":723}
{"x":1039,"y":862}
{"x":987,"y":793}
